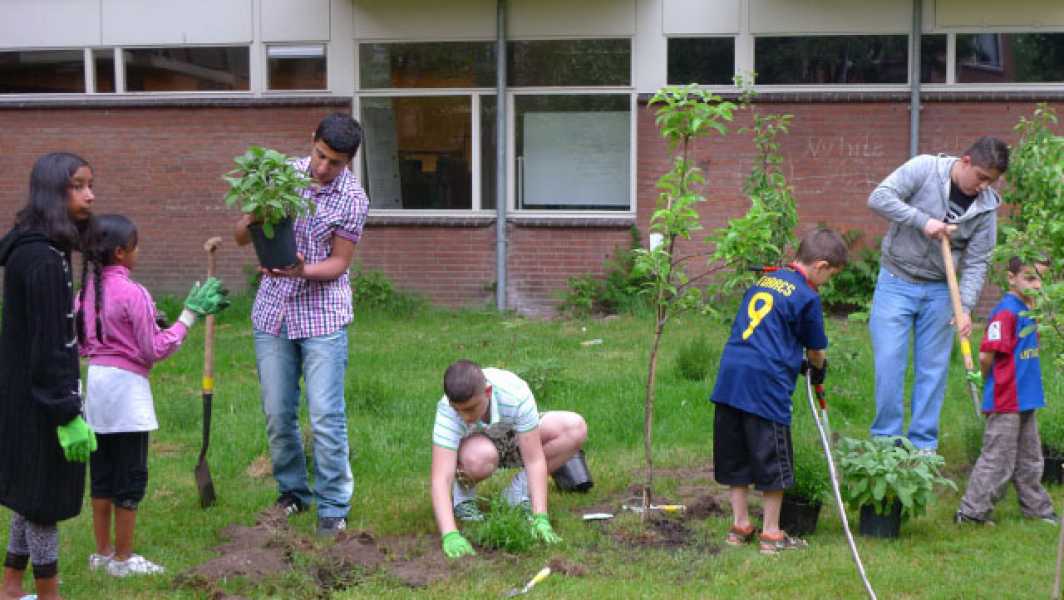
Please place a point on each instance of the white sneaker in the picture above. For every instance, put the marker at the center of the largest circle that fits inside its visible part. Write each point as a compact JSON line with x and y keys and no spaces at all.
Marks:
{"x":99,"y":561}
{"x":135,"y":565}
{"x":517,"y":492}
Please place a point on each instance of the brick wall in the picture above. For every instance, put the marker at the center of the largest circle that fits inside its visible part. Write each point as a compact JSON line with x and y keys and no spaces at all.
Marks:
{"x":161,"y":165}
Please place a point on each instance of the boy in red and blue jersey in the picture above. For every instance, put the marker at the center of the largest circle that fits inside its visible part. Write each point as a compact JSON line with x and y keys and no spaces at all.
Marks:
{"x":1013,"y":391}
{"x":779,"y":320}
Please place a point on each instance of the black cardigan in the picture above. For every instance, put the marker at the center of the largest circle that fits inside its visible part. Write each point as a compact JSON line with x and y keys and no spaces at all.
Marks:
{"x":38,"y":380}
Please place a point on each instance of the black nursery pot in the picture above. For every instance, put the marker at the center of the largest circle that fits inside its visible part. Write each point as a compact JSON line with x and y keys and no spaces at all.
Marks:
{"x":881,"y":526}
{"x":798,"y":516}
{"x":1054,"y":462}
{"x":573,"y":476}
{"x":278,"y":252}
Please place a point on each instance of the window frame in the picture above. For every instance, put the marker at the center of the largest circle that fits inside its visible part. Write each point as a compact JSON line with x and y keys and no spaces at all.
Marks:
{"x":265,"y":62}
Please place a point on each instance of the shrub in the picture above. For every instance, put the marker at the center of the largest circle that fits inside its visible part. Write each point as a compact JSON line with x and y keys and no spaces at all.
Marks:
{"x":696,"y":357}
{"x":811,"y":479}
{"x":504,"y":527}
{"x":373,"y":289}
{"x":850,"y":291}
{"x":879,"y":471}
{"x":541,"y":375}
{"x":617,"y":292}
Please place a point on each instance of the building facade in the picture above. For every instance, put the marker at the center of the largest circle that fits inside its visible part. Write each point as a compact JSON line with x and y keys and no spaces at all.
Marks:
{"x":159,"y":96}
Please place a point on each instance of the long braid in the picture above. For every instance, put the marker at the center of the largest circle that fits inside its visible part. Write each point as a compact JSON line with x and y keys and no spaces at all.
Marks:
{"x":98,"y":288}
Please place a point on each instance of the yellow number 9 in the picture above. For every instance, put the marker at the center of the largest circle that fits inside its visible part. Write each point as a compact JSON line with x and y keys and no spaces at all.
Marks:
{"x":757,"y":313}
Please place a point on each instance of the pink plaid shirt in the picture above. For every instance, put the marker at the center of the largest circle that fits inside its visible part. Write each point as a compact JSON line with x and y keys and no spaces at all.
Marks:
{"x":315,"y":308}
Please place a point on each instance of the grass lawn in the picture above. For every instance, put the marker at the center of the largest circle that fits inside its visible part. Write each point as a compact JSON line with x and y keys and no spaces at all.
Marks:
{"x":393,"y":382}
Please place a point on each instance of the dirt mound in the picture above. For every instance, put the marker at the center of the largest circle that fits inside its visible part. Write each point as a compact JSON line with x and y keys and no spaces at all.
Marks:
{"x":564,"y":567}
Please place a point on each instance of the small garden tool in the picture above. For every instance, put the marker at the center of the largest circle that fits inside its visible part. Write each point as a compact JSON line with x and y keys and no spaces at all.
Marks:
{"x":543,"y":574}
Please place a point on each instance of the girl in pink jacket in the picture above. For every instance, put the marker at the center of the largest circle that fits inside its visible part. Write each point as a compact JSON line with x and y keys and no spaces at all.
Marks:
{"x":119,"y":332}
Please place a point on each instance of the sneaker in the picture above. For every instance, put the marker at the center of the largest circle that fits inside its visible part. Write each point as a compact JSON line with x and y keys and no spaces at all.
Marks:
{"x":774,"y":544}
{"x":99,"y":561}
{"x":468,"y":511}
{"x":331,"y":526}
{"x":963,"y":519}
{"x":1051,"y":518}
{"x":289,"y":504}
{"x":134,"y":565}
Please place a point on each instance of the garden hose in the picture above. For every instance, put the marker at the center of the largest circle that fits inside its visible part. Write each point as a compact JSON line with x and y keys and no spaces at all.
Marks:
{"x":825,"y":442}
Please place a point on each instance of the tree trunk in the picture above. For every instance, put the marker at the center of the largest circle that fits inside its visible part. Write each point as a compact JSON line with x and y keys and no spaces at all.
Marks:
{"x":648,"y":415}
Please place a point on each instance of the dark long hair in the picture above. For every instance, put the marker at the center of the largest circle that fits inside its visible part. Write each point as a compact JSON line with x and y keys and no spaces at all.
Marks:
{"x":46,"y":208}
{"x":110,"y":233}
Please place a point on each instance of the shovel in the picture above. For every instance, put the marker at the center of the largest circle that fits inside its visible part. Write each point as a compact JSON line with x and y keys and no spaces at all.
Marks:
{"x":543,"y":573}
{"x":955,"y":298}
{"x":204,"y":484}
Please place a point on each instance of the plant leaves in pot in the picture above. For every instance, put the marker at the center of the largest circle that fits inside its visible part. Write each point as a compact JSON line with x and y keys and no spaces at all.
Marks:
{"x":812,"y":487}
{"x":267,"y":186}
{"x":884,"y":471}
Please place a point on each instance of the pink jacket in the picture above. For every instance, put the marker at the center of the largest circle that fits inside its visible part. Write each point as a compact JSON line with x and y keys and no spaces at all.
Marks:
{"x":132,"y":340}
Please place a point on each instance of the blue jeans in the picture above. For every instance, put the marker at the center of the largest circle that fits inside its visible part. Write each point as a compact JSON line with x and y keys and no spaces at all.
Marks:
{"x":898,"y":308}
{"x":322,"y":361}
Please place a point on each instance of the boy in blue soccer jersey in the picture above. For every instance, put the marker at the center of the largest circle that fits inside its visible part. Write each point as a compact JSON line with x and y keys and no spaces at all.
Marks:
{"x":488,"y":419}
{"x":1012,"y":449}
{"x":780,"y":318}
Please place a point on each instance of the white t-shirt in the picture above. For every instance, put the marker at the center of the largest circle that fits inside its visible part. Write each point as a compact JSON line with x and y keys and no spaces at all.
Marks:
{"x":118,"y":401}
{"x":511,"y":402}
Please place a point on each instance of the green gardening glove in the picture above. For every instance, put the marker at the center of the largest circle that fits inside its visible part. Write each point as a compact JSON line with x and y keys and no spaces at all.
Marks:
{"x":77,"y":440}
{"x":207,"y":299}
{"x":456,"y":546}
{"x":542,"y":529}
{"x":975,"y":378}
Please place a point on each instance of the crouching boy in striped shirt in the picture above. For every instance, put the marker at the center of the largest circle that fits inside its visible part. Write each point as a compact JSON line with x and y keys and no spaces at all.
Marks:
{"x":488,"y":419}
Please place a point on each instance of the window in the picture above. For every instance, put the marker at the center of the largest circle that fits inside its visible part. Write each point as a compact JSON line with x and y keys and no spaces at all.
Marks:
{"x":933,"y":58}
{"x":427,"y":65}
{"x":42,"y":72}
{"x":103,"y":61}
{"x":552,"y":63}
{"x":1010,"y":58}
{"x":708,"y":61}
{"x":573,"y":151}
{"x":190,"y":69}
{"x":295,"y":67}
{"x":837,"y":59}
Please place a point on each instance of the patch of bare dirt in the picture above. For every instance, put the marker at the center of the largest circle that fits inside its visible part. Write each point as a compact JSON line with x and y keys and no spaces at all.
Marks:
{"x":260,"y":468}
{"x":564,"y":567}
{"x":656,"y":532}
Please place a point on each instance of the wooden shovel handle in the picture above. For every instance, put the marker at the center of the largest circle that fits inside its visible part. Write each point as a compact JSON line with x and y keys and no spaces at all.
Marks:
{"x":955,"y":299}
{"x":208,"y":339}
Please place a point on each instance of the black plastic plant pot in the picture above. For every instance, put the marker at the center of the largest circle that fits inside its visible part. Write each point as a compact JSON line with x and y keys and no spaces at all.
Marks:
{"x":278,"y":252}
{"x":798,"y":516}
{"x":1052,"y":469}
{"x":881,"y":526}
{"x":573,"y":476}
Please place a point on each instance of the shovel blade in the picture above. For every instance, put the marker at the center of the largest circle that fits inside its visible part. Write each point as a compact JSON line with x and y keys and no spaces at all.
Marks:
{"x":204,"y":484}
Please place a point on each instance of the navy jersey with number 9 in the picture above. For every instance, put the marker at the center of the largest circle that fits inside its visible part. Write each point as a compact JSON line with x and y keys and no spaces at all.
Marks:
{"x":779,"y":317}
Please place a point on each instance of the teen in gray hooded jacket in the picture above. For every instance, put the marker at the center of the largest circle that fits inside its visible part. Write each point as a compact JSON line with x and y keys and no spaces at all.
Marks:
{"x":926,"y":198}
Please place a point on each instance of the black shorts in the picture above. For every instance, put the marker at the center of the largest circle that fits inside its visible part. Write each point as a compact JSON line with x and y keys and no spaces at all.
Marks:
{"x":748,"y":449}
{"x":119,"y":468}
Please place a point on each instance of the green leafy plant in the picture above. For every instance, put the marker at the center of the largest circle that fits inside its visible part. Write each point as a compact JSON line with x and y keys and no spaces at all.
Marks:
{"x":542,"y":376}
{"x":850,"y":291}
{"x":504,"y":527}
{"x":696,"y":357}
{"x":618,"y":292}
{"x":1035,"y":230}
{"x":879,"y":471}
{"x":811,"y":480}
{"x":373,"y":289}
{"x":267,"y":185}
{"x":684,"y":114}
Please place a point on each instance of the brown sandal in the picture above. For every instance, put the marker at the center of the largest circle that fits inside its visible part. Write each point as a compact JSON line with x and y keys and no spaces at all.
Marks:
{"x":774,"y":544}
{"x":737,"y":536}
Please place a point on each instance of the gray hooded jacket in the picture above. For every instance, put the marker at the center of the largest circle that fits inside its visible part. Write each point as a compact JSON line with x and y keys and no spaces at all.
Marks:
{"x":916,"y":192}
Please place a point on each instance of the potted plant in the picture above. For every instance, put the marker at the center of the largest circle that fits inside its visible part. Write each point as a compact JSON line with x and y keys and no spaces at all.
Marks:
{"x":888,"y":480}
{"x":1051,"y":430}
{"x":267,"y":186}
{"x":812,"y":487}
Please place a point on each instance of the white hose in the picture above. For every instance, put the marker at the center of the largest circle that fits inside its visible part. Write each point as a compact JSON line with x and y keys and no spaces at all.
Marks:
{"x":835,"y":487}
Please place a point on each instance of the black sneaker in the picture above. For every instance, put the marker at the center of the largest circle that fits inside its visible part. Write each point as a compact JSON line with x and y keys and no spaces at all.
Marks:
{"x":963,"y":519}
{"x":331,"y":526}
{"x":289,"y":504}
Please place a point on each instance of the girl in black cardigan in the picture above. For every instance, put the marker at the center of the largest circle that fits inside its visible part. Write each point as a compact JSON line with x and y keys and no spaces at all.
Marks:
{"x":44,"y":441}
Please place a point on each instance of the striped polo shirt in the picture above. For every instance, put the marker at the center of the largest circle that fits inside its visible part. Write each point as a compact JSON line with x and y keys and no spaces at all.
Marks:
{"x":315,"y":308}
{"x":511,"y":403}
